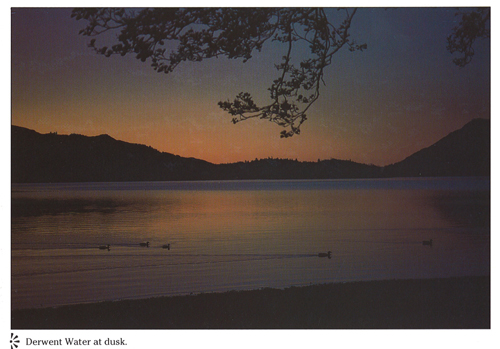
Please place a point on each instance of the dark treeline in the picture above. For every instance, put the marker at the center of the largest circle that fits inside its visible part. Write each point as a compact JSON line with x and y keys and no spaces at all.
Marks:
{"x":45,"y":158}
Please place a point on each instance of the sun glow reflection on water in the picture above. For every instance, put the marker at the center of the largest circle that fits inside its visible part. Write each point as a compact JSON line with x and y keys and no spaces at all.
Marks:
{"x":239,"y":235}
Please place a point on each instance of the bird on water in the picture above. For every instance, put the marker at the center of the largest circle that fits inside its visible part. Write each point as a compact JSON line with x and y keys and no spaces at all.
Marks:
{"x":327,"y":254}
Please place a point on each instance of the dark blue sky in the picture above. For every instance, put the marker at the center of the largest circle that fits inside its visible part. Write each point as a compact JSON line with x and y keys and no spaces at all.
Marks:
{"x":378,"y":106}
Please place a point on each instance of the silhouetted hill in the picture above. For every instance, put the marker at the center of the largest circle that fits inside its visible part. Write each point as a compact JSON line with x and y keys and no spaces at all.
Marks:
{"x":75,"y":158}
{"x":292,"y":169}
{"x":465,"y":152}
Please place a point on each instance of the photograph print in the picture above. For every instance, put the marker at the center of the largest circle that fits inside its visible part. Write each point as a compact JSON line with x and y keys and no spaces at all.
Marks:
{"x":250,"y":168}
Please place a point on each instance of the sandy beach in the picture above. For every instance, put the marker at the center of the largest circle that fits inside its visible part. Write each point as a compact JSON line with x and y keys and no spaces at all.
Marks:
{"x":450,"y":303}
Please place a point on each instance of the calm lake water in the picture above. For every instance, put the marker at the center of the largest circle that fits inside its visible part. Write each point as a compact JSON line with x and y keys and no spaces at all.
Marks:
{"x":236,"y":235}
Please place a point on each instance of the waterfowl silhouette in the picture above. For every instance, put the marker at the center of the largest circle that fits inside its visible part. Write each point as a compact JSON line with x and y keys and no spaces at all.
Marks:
{"x":167,"y":246}
{"x":327,"y":254}
{"x":104,"y":247}
{"x":144,"y":244}
{"x":427,"y":242}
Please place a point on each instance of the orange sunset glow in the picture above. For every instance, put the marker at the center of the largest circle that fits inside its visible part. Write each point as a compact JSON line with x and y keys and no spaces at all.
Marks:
{"x":249,"y":168}
{"x":377,"y":106}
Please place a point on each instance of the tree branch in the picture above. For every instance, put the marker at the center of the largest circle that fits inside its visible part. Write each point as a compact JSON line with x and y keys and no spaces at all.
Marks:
{"x":195,"y":34}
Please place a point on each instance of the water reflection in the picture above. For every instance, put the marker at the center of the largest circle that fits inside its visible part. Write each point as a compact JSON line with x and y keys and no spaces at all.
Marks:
{"x":464,"y":208}
{"x":254,"y":235}
{"x":26,"y":207}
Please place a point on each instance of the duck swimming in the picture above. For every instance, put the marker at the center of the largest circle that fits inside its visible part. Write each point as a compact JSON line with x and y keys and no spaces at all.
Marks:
{"x":104,"y":247}
{"x":144,"y":244}
{"x":427,"y":242}
{"x":327,"y":254}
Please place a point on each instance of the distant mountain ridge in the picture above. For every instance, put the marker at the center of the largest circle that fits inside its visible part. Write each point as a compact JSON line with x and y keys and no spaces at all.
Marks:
{"x":39,"y":158}
{"x":465,"y":152}
{"x":75,"y":158}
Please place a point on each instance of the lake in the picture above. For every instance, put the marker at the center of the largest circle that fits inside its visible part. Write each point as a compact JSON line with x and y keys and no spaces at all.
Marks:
{"x":238,"y":235}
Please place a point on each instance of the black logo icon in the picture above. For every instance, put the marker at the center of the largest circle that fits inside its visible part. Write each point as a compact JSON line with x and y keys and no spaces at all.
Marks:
{"x":14,"y":341}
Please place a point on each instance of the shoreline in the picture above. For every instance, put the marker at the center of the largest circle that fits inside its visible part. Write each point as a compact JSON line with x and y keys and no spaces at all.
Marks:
{"x":445,"y":303}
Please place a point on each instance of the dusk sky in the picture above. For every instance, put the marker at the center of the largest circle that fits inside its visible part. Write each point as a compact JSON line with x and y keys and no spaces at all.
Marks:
{"x":378,"y":106}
